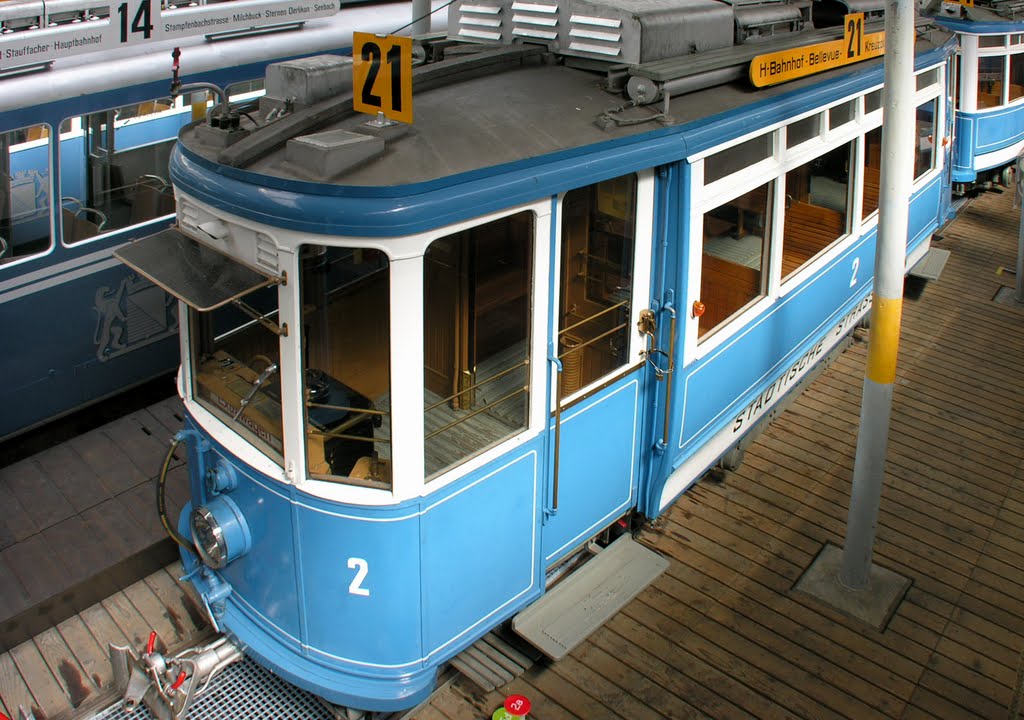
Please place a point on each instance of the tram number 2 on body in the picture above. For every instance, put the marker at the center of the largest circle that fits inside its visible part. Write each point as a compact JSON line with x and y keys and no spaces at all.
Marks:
{"x":362,"y":569}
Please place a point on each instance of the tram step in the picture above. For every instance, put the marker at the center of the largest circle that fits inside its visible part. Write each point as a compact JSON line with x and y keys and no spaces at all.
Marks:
{"x":566,"y":616}
{"x":931,"y":264}
{"x":492,"y":662}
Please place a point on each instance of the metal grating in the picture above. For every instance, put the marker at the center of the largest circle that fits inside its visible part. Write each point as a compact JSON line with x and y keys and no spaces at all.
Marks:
{"x":243,"y":690}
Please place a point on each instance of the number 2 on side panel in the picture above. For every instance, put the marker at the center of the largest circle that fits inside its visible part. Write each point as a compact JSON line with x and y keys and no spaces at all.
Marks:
{"x":362,"y":568}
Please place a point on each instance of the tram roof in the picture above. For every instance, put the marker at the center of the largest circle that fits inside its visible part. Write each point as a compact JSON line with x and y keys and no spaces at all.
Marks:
{"x":520,"y":112}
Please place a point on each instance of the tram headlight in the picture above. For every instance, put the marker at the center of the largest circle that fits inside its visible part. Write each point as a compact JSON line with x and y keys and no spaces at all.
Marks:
{"x":220,"y":532}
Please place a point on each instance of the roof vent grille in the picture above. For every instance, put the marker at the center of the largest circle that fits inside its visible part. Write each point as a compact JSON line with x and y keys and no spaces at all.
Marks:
{"x":617,"y":31}
{"x":535,"y":20}
{"x":479,"y":23}
{"x":591,"y":35}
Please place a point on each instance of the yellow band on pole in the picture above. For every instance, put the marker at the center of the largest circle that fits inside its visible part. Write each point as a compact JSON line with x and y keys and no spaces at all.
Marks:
{"x":884,"y":339}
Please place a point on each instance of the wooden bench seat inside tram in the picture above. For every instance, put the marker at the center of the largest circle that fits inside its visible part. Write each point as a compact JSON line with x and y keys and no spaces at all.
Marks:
{"x":725,"y":287}
{"x":988,"y":100}
{"x":151,"y":197}
{"x":75,"y":227}
{"x":872,"y":191}
{"x":809,"y":229}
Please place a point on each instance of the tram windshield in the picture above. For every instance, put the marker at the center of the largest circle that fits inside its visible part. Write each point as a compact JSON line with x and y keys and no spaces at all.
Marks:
{"x":345,"y":358}
{"x":236,"y":358}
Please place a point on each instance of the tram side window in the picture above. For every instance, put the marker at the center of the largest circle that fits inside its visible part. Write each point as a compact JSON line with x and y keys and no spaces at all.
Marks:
{"x":873,"y":101}
{"x":235,"y":368}
{"x":817,"y":205}
{"x":1016,"y":76}
{"x":803,"y":130}
{"x":24,"y":192}
{"x":734,"y":262}
{"x":346,"y":369}
{"x":990,"y":81}
{"x":924,"y":158}
{"x":245,"y":90}
{"x":598,"y":228}
{"x":738,"y":157}
{"x":841,"y":114}
{"x":114,"y":172}
{"x":872,"y":171}
{"x":476,"y":339}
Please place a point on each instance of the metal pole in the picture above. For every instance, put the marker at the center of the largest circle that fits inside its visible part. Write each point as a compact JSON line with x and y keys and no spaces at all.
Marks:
{"x":898,"y":152}
{"x":1019,"y":297}
{"x":421,"y":16}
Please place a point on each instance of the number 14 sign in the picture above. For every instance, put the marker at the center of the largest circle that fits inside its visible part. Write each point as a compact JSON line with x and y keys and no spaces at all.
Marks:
{"x":382,"y":75}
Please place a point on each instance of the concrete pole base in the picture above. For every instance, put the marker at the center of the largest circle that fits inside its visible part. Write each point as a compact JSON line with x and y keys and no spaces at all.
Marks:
{"x":1008,"y":296}
{"x":874,"y":605}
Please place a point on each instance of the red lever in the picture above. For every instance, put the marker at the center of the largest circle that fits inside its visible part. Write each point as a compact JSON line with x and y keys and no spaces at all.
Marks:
{"x":177,"y":683}
{"x":151,"y":644}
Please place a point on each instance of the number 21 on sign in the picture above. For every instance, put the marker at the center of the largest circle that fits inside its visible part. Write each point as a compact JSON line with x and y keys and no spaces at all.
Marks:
{"x":382,"y":75}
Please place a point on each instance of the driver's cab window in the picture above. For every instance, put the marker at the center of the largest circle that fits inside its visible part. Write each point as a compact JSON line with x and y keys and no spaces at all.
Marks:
{"x":236,"y":360}
{"x":345,"y":360}
{"x":476,"y":339}
{"x":598,"y":240}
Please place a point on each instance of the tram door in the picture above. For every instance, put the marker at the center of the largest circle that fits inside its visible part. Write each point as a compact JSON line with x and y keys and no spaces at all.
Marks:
{"x":601,"y":277}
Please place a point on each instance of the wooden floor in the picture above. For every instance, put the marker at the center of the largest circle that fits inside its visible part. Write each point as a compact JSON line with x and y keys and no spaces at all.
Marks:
{"x":722,"y":634}
{"x":79,"y":519}
{"x":64,"y":672}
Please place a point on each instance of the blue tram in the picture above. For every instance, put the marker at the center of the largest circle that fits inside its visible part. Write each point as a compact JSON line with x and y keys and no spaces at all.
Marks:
{"x":423,"y":364}
{"x":989,"y":93}
{"x":84,"y":148}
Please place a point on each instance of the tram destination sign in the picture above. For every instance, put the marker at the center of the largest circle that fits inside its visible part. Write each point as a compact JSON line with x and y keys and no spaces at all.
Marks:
{"x":133,"y":22}
{"x":785,"y":65}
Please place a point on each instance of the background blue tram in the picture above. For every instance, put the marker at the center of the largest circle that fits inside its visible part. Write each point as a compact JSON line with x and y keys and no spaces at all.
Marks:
{"x":423,"y":365}
{"x":989,"y":92}
{"x":84,"y":146}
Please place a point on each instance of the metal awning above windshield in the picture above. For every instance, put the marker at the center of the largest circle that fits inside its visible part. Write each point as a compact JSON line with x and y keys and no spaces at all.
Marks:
{"x":195,"y":273}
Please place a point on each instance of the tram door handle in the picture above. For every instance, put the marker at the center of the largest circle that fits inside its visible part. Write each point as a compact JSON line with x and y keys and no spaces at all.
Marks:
{"x":647,"y":326}
{"x":552,"y":508}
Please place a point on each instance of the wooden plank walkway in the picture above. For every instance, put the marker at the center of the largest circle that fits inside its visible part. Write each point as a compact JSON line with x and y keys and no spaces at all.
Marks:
{"x":80,"y":522}
{"x":64,"y":672}
{"x":722,"y":634}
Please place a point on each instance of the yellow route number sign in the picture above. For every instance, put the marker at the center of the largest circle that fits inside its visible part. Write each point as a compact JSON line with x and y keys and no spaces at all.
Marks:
{"x":856,"y":45}
{"x":382,"y":75}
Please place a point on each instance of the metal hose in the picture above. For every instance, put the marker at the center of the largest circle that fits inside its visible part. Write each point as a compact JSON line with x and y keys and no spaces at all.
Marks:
{"x":161,"y":501}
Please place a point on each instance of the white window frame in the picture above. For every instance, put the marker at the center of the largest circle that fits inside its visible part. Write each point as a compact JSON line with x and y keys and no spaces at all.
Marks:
{"x":640,"y":292}
{"x":773,"y":170}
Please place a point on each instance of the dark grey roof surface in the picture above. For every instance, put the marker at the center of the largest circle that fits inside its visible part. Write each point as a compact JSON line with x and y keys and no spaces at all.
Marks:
{"x":512,"y":115}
